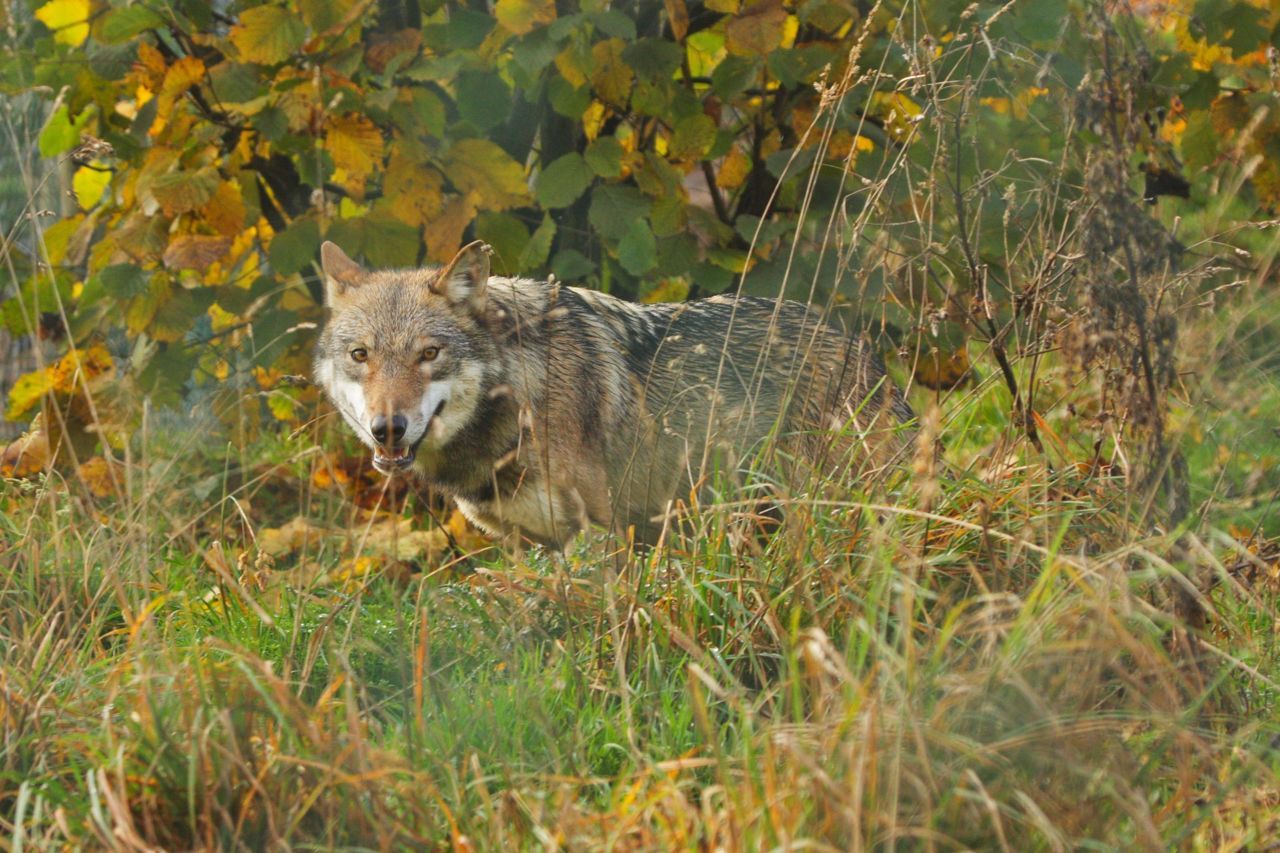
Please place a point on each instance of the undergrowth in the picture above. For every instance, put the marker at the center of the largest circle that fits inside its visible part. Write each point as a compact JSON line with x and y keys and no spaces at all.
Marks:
{"x":994,"y":669}
{"x":1058,"y":633}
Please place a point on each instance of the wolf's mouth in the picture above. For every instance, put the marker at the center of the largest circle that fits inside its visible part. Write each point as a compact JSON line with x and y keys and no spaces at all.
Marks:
{"x":390,"y":460}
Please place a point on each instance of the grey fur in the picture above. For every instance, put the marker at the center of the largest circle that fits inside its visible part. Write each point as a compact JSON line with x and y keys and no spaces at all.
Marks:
{"x":567,"y":406}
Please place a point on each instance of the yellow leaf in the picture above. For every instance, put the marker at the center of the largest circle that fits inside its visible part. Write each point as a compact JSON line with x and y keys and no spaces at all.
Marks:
{"x":178,"y":78}
{"x":523,"y":16}
{"x":282,"y":406}
{"x":349,"y":209}
{"x":678,"y":17}
{"x":611,"y":75}
{"x":593,"y":119}
{"x":298,"y":533}
{"x":413,"y":188}
{"x":89,"y":183}
{"x":221,"y":318}
{"x":58,"y":236}
{"x":68,"y":20}
{"x":481,"y":168}
{"x":79,"y":366}
{"x":28,"y":391}
{"x":569,"y":64}
{"x":668,"y":290}
{"x":267,"y":35}
{"x":355,"y":144}
{"x":789,"y":31}
{"x":734,"y":169}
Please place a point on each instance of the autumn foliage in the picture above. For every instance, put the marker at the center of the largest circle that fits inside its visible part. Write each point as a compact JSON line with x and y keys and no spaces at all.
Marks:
{"x":676,"y":149}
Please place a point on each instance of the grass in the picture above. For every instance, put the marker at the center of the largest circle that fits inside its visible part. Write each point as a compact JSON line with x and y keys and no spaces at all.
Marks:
{"x":238,"y":638}
{"x":997,"y":669}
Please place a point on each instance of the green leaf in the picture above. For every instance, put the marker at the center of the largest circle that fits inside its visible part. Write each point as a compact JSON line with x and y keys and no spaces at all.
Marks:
{"x":390,"y":242}
{"x":571,"y":265}
{"x":60,"y":133}
{"x":123,"y":281}
{"x":465,"y":30}
{"x":538,"y":248}
{"x":655,"y":59}
{"x":638,"y":250}
{"x":668,"y":214}
{"x":122,"y":24}
{"x":568,"y":100}
{"x":614,"y":208}
{"x":483,"y":99}
{"x":693,"y":138}
{"x":677,"y":255}
{"x":800,"y":64}
{"x":604,"y":156}
{"x":235,"y":82}
{"x":733,"y":74}
{"x":295,"y":247}
{"x":563,"y":181}
{"x":272,"y":123}
{"x":611,"y":22}
{"x":1199,"y":142}
{"x":534,"y":52}
{"x":508,"y":237}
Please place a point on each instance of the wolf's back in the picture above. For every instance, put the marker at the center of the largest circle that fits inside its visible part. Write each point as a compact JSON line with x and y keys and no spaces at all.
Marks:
{"x":719,"y":382}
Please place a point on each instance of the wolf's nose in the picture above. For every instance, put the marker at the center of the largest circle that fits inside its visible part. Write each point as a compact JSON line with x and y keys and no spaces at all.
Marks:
{"x":397,"y":423}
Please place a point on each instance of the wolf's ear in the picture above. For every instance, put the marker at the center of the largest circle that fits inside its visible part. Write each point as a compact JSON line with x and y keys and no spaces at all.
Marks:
{"x":340,"y":273}
{"x":464,"y":279}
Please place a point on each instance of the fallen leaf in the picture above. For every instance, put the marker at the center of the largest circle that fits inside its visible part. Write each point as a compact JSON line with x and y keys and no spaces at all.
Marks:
{"x":96,"y":475}
{"x":26,"y":456}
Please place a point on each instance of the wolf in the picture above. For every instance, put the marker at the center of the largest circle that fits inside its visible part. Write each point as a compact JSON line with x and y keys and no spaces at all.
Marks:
{"x":541,"y":409}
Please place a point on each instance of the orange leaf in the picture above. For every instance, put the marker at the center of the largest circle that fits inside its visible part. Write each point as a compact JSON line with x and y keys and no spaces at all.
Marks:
{"x":444,"y":233}
{"x":384,"y":48}
{"x":96,"y":475}
{"x":942,"y":371}
{"x":195,"y":251}
{"x":179,"y":77}
{"x":758,"y":30}
{"x":26,"y":456}
{"x":225,"y":211}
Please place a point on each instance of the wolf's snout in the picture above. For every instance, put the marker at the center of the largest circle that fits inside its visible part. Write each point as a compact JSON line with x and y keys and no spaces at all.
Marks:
{"x":393,"y":428}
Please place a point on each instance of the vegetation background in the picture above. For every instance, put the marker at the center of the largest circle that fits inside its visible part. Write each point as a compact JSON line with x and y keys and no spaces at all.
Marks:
{"x":219,"y":628}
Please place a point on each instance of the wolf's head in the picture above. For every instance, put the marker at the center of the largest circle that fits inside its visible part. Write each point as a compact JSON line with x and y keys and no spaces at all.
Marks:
{"x":403,"y":352}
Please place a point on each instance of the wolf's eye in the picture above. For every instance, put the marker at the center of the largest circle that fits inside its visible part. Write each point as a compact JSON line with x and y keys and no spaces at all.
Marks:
{"x":430,"y":353}
{"x":360,"y":354}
